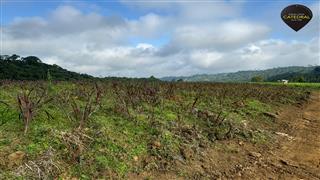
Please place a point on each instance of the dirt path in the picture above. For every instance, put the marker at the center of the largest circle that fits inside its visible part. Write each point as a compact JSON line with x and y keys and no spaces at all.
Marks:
{"x":296,"y":154}
{"x":293,"y":154}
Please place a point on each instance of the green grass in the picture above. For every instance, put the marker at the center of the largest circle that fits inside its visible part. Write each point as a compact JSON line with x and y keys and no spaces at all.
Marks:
{"x":115,"y":144}
{"x":295,"y":84}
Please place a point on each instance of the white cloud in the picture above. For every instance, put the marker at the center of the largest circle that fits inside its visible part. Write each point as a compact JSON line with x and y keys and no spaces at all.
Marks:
{"x":274,"y":52}
{"x":204,"y":58}
{"x":148,"y":26}
{"x":224,"y":35}
{"x":207,"y":41}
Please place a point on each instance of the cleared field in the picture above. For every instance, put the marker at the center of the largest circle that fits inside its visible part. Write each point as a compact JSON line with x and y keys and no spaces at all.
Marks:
{"x":131,"y":129}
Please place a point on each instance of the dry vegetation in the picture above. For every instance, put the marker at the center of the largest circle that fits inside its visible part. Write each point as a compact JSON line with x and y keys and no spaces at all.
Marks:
{"x":102,"y":129}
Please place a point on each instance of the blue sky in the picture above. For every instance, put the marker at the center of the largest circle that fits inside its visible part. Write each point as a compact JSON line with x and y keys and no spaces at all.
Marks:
{"x":12,"y":9}
{"x":162,"y":38}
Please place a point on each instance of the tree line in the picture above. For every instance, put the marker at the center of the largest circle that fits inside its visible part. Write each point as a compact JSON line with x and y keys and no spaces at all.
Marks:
{"x":312,"y":76}
{"x":15,"y":67}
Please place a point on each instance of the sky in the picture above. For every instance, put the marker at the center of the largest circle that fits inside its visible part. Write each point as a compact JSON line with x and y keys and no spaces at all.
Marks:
{"x":159,"y":38}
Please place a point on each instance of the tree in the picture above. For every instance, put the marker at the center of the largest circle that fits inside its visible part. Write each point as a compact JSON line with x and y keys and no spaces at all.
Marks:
{"x":257,"y":79}
{"x":152,"y":78}
{"x":32,"y":60}
{"x":317,"y":70}
{"x":300,"y":79}
{"x":14,"y":57}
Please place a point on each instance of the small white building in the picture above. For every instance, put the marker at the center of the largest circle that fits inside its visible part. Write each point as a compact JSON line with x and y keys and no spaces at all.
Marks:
{"x":284,"y":81}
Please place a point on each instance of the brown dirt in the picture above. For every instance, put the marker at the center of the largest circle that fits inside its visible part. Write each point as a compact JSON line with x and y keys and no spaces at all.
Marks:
{"x":293,"y":153}
{"x":296,"y":151}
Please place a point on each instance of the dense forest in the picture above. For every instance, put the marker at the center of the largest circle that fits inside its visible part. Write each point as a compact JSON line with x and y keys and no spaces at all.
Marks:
{"x":15,"y":67}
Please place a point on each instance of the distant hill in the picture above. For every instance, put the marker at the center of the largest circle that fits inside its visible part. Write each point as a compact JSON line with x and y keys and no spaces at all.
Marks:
{"x":292,"y":73}
{"x":312,"y":76}
{"x":15,"y":67}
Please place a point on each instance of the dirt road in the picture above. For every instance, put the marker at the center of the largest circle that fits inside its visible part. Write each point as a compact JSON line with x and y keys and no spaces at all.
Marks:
{"x":296,"y":152}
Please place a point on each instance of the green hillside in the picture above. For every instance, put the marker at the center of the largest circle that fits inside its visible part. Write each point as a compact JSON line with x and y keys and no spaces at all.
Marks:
{"x":15,"y":67}
{"x":312,"y":76}
{"x":273,"y":74}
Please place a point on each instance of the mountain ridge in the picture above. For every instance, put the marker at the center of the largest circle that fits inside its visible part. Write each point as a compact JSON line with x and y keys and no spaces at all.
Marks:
{"x":247,"y":75}
{"x":15,"y":67}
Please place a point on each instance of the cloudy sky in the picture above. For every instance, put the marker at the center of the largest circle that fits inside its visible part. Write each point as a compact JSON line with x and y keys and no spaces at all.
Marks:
{"x":160,"y":38}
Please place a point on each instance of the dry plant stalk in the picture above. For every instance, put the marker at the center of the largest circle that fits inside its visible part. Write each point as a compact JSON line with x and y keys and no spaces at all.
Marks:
{"x":75,"y":141}
{"x":44,"y":167}
{"x":93,"y":102}
{"x":29,"y":106}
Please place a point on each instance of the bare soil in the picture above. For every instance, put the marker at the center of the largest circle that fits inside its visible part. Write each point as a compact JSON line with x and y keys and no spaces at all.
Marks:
{"x":293,"y":153}
{"x":296,"y":151}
